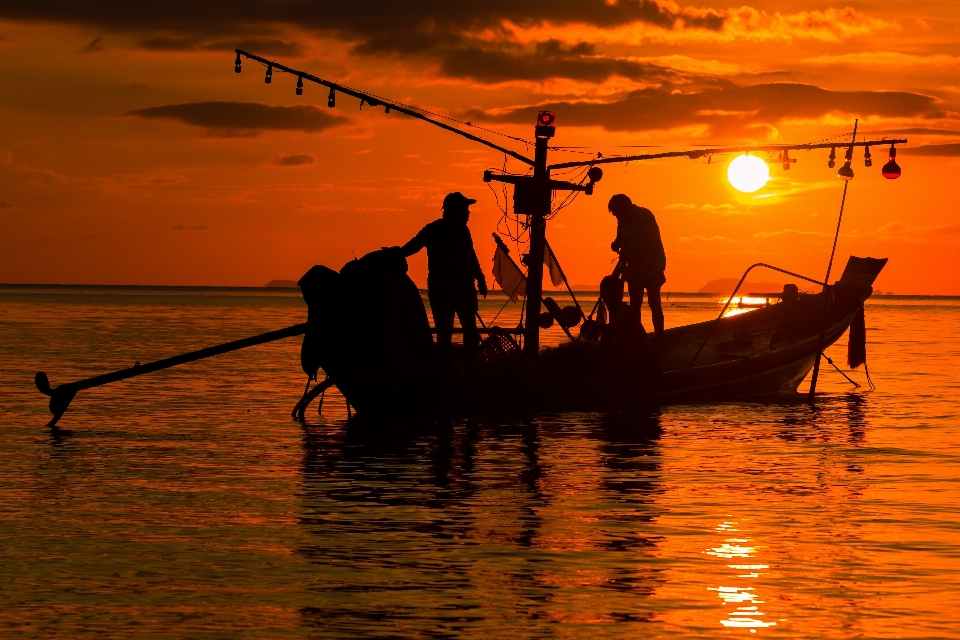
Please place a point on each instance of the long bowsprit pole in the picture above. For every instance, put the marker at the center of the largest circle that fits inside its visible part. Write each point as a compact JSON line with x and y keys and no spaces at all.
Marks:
{"x":61,"y":396}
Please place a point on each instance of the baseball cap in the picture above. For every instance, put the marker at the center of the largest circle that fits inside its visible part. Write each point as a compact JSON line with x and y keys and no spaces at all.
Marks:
{"x":456,"y":199}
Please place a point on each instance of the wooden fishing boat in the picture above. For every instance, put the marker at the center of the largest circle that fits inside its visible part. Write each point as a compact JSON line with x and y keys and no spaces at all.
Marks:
{"x":382,"y":362}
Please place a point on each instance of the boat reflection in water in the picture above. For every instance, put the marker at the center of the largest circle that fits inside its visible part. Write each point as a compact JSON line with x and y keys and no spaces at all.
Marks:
{"x":472,"y":525}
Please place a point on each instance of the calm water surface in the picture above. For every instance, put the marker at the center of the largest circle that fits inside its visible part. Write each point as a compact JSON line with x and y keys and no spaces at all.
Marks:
{"x":188,"y":504}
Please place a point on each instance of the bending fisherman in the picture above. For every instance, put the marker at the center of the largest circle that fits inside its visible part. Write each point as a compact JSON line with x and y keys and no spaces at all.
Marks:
{"x":641,"y":255}
{"x":452,"y":268}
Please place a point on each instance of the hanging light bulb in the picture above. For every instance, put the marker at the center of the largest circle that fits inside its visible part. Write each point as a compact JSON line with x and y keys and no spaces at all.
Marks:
{"x":832,"y":160}
{"x":867,"y":158}
{"x":786,"y":160}
{"x":332,"y":98}
{"x":300,"y":86}
{"x":891,"y":170}
{"x":846,"y":171}
{"x":236,"y":64}
{"x":269,"y":77}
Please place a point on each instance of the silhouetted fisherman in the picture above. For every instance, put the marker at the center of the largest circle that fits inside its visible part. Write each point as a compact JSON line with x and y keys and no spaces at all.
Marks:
{"x":452,"y":268}
{"x":641,"y":256}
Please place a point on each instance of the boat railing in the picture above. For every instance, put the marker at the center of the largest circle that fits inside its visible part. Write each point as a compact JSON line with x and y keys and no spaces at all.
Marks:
{"x":732,"y":295}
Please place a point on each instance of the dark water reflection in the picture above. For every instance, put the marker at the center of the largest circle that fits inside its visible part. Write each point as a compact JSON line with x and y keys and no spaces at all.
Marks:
{"x":189,"y":505}
{"x":464,"y":515}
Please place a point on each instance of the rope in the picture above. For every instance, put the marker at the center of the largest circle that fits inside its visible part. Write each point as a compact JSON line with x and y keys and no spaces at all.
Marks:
{"x":849,"y":379}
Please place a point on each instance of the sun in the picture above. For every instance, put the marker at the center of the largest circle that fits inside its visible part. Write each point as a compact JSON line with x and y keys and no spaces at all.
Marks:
{"x":748,"y":173}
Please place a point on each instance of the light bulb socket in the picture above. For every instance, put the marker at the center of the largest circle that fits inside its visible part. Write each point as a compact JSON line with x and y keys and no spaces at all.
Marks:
{"x":236,"y":64}
{"x":332,"y":98}
{"x":269,"y":77}
{"x":300,"y":86}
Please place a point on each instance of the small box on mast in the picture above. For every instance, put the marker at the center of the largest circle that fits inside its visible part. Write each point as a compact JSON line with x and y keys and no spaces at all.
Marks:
{"x":546,"y":124}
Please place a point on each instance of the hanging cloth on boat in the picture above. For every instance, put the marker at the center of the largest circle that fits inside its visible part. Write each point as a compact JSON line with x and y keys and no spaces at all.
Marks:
{"x":506,"y":272}
{"x":857,"y":341}
{"x":552,"y":265}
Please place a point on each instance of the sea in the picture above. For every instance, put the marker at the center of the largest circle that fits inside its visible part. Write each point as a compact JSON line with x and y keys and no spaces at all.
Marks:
{"x":188,"y":504}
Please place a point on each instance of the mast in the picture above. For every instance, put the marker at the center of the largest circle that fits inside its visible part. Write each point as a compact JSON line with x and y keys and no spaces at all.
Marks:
{"x":538,"y":239}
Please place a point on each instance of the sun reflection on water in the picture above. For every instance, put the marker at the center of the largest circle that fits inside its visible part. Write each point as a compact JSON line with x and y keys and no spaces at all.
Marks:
{"x":746,"y":614}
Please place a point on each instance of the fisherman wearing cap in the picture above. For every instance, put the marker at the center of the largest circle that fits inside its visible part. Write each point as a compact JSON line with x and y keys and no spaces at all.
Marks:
{"x":452,"y":268}
{"x":642,"y":257}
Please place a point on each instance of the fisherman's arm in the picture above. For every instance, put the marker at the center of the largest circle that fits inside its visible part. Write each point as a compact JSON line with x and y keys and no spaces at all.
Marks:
{"x":477,"y":269}
{"x":417,"y":243}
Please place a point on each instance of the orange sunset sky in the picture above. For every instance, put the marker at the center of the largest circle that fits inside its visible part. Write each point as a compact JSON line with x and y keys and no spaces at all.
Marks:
{"x":131,"y":153}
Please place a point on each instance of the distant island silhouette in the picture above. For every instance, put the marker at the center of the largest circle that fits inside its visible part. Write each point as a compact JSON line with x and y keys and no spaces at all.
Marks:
{"x":281,"y":284}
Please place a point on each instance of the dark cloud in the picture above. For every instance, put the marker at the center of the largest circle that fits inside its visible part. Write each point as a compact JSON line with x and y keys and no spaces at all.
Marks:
{"x":229,"y":119}
{"x":294,"y":160}
{"x":443,"y":31}
{"x":93,"y":46}
{"x":916,"y":131}
{"x":728,"y":109}
{"x":545,"y":60}
{"x":379,"y":23}
{"x":266,"y":46}
{"x":951,"y":149}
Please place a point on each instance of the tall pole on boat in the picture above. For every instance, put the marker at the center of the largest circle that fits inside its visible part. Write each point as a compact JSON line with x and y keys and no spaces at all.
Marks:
{"x":538,"y":237}
{"x":846,"y":174}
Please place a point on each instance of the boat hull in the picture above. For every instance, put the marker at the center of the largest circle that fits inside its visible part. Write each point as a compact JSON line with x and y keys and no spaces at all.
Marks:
{"x":761,"y":353}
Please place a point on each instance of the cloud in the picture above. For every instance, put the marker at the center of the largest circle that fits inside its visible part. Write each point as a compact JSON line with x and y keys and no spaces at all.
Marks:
{"x":484,"y":42}
{"x":93,"y":46}
{"x":546,"y":60}
{"x":6,"y":205}
{"x":886,"y":59}
{"x":790,"y":233}
{"x":950,"y":149}
{"x":465,"y":39}
{"x":266,"y":46}
{"x":744,"y":24}
{"x":711,"y":239}
{"x":724,"y":109}
{"x":232,"y":119}
{"x":918,"y":131}
{"x":294,"y":160}
{"x":680,"y":206}
{"x":183,"y":227}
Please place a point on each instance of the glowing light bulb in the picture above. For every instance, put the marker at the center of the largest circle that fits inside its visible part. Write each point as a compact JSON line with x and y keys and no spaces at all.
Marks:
{"x":748,"y":173}
{"x":891,"y":170}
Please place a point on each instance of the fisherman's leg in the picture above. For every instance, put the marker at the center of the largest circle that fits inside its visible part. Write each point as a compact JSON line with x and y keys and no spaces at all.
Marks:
{"x":635,"y":288}
{"x":467,"y":313}
{"x":656,"y":310}
{"x":443,"y":312}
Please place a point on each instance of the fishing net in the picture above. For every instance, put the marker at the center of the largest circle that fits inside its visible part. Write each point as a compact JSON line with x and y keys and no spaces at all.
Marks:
{"x":501,"y":355}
